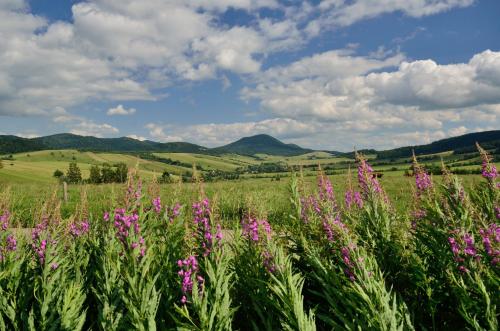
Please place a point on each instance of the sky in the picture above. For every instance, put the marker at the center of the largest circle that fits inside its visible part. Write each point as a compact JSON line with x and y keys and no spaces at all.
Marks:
{"x":331,"y":74}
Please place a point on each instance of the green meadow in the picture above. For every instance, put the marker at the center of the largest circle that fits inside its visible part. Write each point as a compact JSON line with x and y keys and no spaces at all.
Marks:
{"x":29,"y":179}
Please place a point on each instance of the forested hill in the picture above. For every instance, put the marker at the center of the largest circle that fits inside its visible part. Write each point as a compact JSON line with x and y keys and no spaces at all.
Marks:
{"x":462,"y":144}
{"x":258,"y":144}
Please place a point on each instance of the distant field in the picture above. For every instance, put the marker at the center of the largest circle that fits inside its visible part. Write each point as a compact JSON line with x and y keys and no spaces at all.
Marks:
{"x":272,"y":197}
{"x":208,"y":162}
{"x":40,"y":166}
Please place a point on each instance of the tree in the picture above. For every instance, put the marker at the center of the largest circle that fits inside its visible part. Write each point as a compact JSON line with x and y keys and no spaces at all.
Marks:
{"x":74,"y":175}
{"x":165,"y":177}
{"x":1,"y":164}
{"x":58,"y":173}
{"x":107,"y":174}
{"x":121,"y":172}
{"x":95,"y":175}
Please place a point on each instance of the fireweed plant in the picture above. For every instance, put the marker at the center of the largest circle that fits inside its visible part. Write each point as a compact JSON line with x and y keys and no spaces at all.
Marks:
{"x":346,"y":261}
{"x":341,"y":273}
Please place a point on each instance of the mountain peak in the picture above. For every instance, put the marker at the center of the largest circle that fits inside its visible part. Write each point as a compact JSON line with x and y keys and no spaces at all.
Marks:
{"x":261,"y":144}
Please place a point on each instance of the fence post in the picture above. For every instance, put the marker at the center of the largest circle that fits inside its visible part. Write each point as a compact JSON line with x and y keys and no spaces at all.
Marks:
{"x":65,"y":189}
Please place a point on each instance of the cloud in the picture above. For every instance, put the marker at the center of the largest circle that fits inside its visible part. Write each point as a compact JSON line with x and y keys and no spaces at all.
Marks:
{"x":136,"y":137}
{"x":410,"y":36}
{"x":329,"y":65}
{"x":216,"y":134}
{"x":226,"y":83}
{"x":344,"y":12}
{"x":27,"y":135}
{"x":458,"y":131}
{"x":120,"y":110}
{"x":388,"y":98}
{"x":40,"y":71}
{"x":123,"y":50}
{"x":158,"y":133}
{"x":90,"y":128}
{"x":319,"y":87}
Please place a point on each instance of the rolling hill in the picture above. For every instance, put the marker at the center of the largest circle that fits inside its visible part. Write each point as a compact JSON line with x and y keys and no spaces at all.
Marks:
{"x":461,"y":144}
{"x":260,"y":144}
{"x":12,"y":144}
{"x":247,"y":146}
{"x":263,"y":144}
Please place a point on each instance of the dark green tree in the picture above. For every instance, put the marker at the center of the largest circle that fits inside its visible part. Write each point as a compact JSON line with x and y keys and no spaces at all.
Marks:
{"x":121,"y":172}
{"x":73,"y":175}
{"x":58,"y":173}
{"x":165,"y":177}
{"x":95,"y":175}
{"x":107,"y":174}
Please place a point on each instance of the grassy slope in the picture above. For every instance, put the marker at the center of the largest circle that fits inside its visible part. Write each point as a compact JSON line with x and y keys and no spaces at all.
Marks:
{"x":209,"y":162}
{"x":40,"y":166}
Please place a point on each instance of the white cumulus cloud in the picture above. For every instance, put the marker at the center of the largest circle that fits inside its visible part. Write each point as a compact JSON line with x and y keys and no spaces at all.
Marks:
{"x":120,"y":110}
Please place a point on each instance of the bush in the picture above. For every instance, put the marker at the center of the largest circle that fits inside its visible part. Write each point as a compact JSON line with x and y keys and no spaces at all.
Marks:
{"x":58,"y":173}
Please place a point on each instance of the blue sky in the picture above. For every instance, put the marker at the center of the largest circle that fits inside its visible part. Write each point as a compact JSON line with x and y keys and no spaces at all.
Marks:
{"x":332,"y":74}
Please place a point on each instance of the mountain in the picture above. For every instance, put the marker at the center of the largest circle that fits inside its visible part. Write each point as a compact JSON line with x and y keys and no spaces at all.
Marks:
{"x":260,"y":144}
{"x":123,"y":144}
{"x":13,"y":144}
{"x":461,"y":144}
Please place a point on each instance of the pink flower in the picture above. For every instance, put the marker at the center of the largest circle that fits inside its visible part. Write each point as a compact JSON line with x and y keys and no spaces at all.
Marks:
{"x":423,"y":181}
{"x":157,"y":205}
{"x":4,"y":221}
{"x":203,"y":228}
{"x":189,"y":271}
{"x":11,"y":243}
{"x":488,"y":169}
{"x":77,"y":229}
{"x":454,"y":246}
{"x":173,"y":212}
{"x":128,"y":231}
{"x":469,"y":245}
{"x":346,"y":258}
{"x":367,"y":180}
{"x":254,"y":229}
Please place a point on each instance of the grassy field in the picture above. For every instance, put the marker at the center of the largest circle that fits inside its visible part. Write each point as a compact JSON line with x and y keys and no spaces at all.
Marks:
{"x":29,"y":176}
{"x":271,"y":197}
{"x":210,"y":255}
{"x":40,"y":166}
{"x":208,"y":162}
{"x":291,"y":246}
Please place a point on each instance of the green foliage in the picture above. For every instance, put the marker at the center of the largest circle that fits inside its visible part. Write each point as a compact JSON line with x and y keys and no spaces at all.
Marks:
{"x":95,"y":175}
{"x":121,"y":172}
{"x":58,"y":173}
{"x":107,"y":173}
{"x":74,"y":174}
{"x":287,"y":288}
{"x":165,"y":178}
{"x":211,"y":307}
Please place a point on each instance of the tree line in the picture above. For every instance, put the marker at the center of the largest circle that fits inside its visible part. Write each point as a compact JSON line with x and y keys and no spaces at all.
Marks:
{"x":98,"y":175}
